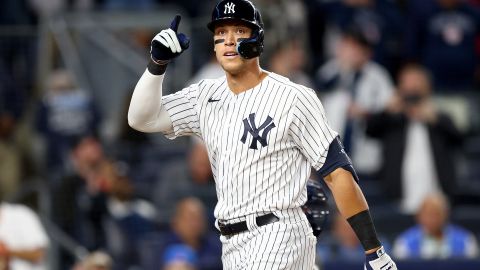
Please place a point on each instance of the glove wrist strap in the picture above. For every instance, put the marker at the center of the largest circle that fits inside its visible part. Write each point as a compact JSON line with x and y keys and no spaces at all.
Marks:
{"x":157,"y":67}
{"x":375,"y":255}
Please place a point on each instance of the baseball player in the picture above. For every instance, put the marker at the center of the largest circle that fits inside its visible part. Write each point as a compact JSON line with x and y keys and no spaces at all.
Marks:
{"x":263,"y":134}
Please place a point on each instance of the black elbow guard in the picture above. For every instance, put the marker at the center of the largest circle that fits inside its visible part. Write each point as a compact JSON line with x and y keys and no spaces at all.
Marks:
{"x":337,"y":158}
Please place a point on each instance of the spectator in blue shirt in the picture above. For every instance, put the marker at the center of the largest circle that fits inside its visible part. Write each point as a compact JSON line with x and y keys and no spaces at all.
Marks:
{"x":434,"y":237}
{"x":180,"y":257}
{"x":189,"y":227}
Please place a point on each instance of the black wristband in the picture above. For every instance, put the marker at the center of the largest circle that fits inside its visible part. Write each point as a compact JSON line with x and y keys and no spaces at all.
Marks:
{"x":363,"y":227}
{"x":157,"y":68}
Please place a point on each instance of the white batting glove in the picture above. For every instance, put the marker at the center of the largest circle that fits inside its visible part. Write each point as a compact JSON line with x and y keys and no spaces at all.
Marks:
{"x":167,"y":44}
{"x":379,"y":260}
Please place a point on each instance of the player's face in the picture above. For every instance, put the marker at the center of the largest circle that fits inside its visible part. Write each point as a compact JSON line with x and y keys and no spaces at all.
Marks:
{"x":226,"y":38}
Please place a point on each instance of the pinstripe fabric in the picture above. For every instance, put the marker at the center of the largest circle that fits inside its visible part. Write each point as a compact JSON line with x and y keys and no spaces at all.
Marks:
{"x":286,"y":244}
{"x":261,"y":144}
{"x":272,"y":177}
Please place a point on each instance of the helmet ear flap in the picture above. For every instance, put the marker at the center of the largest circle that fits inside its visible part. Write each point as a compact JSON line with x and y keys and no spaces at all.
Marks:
{"x":251,"y":47}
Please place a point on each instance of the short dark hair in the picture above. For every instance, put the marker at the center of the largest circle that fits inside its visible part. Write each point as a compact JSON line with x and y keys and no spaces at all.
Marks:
{"x":358,"y":35}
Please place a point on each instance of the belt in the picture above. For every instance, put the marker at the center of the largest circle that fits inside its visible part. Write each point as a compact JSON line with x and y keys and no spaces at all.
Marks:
{"x":234,"y":228}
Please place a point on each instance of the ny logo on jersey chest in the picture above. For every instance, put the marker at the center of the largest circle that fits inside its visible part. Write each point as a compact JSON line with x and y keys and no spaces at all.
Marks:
{"x":249,"y":127}
{"x":229,"y":8}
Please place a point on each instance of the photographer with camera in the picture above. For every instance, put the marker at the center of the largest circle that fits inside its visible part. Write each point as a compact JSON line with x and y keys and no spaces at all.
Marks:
{"x":418,"y":141}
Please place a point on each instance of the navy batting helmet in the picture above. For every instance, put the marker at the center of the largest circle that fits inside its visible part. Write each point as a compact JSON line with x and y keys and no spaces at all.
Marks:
{"x":245,"y":11}
{"x":316,"y":208}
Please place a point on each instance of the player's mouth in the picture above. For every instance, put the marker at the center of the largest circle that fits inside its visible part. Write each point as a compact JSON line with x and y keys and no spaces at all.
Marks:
{"x":230,"y":54}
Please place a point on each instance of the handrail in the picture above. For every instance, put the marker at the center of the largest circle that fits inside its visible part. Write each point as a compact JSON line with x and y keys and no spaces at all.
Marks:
{"x":66,"y":242}
{"x":131,"y":60}
{"x":59,"y":29}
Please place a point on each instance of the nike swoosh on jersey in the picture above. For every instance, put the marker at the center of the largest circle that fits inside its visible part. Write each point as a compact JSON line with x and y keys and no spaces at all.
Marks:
{"x":213,"y":100}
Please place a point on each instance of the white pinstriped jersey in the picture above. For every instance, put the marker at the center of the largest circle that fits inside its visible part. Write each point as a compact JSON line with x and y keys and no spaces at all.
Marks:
{"x":261,"y":143}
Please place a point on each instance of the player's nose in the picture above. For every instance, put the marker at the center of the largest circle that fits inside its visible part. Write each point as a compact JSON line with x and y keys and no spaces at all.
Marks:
{"x":230,"y":39}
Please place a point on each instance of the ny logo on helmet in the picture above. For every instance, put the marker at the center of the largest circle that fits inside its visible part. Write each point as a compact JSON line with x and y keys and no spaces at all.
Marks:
{"x":250,"y":127}
{"x":229,"y":8}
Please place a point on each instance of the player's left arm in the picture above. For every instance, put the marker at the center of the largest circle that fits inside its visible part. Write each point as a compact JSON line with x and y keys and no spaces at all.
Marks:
{"x":341,"y":178}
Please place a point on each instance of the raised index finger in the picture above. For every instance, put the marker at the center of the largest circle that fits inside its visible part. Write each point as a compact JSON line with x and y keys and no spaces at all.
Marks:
{"x":175,"y":23}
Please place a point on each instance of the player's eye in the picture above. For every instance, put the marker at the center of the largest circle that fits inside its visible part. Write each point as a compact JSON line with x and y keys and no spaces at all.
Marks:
{"x":220,"y":32}
{"x":241,"y":31}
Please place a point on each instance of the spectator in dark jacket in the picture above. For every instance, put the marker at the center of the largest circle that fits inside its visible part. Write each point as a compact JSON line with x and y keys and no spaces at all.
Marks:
{"x":441,"y":35}
{"x":380,"y":21}
{"x":418,"y":142}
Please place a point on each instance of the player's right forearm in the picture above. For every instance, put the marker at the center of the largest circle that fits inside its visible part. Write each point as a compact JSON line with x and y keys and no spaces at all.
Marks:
{"x":346,"y":192}
{"x":146,"y":112}
{"x":352,"y":205}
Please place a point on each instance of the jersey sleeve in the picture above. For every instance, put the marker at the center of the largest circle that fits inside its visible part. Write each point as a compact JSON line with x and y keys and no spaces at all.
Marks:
{"x":309,"y":128}
{"x":182,"y":109}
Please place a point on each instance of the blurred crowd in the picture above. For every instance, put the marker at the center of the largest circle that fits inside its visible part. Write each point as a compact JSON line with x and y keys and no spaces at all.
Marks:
{"x":399,"y":81}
